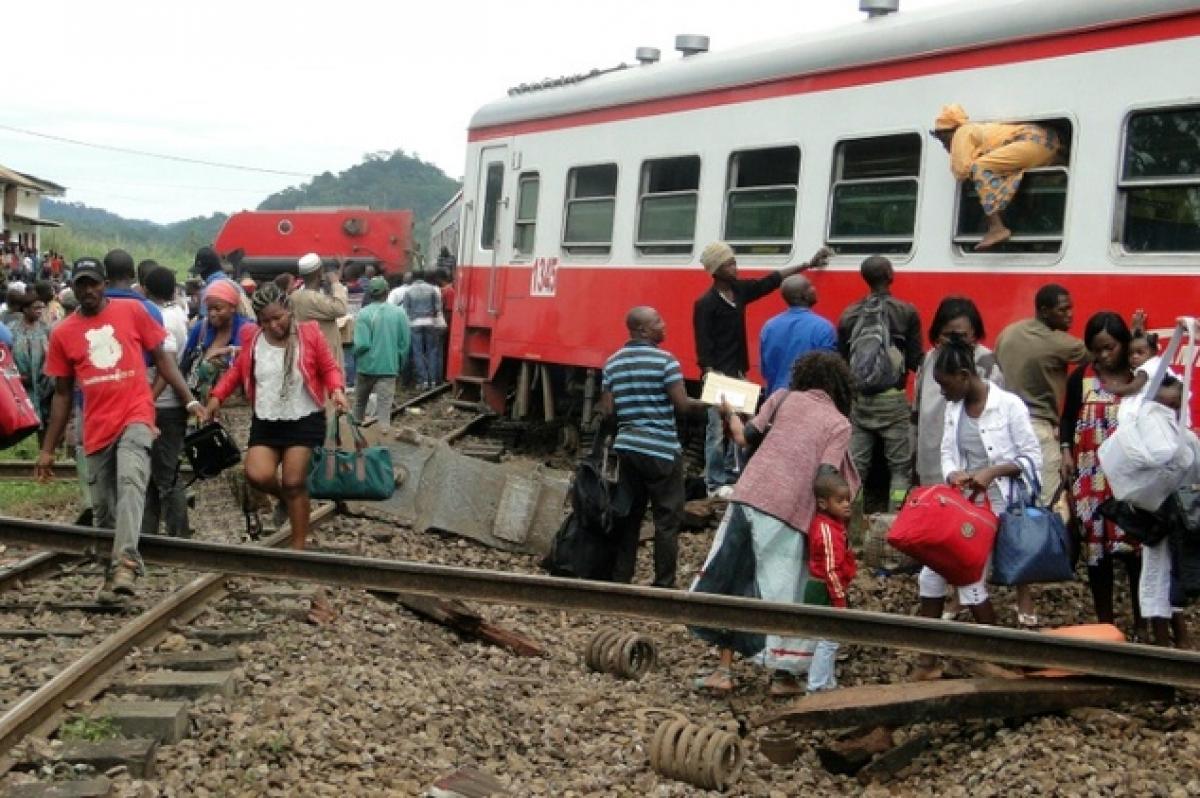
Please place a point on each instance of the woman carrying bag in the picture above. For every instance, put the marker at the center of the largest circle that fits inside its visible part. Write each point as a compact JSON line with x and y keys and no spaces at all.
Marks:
{"x":287,"y":373}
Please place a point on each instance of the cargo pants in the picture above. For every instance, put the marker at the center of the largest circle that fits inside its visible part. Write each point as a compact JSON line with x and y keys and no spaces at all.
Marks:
{"x":118,"y":476}
{"x":887,"y":417}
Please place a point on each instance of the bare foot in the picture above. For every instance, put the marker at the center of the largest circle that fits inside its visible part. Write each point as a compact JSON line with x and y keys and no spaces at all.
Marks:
{"x":719,"y":682}
{"x":993,"y":237}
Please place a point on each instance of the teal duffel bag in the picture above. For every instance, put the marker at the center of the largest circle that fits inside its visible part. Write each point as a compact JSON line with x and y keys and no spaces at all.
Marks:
{"x":363,"y":473}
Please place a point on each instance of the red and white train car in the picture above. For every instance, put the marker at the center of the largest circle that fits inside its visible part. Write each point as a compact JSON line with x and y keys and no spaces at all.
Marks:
{"x":585,"y":199}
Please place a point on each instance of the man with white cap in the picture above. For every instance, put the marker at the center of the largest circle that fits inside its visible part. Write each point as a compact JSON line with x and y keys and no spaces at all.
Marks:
{"x":719,"y":325}
{"x":311,"y":303}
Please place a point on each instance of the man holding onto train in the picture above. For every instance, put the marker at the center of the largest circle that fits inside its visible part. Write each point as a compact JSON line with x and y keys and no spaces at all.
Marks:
{"x":643,"y":390}
{"x":719,"y":327}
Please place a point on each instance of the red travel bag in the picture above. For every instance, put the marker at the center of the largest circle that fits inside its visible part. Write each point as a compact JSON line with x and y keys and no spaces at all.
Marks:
{"x":939,"y":527}
{"x":18,"y":419}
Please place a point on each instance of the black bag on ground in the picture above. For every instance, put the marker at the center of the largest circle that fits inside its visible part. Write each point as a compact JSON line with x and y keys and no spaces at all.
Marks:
{"x":582,"y":547}
{"x":209,"y":450}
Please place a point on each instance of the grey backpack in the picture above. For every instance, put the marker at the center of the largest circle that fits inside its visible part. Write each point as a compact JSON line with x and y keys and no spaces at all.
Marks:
{"x":875,"y":361}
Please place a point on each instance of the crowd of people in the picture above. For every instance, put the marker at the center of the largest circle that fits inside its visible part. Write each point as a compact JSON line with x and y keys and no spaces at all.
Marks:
{"x":117,"y":359}
{"x":1034,"y":411}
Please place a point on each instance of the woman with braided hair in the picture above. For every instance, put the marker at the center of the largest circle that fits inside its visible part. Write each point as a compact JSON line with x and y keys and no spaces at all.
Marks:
{"x":287,"y":373}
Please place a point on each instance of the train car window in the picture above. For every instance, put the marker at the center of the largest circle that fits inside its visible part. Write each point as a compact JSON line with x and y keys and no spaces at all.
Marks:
{"x":670,"y":190}
{"x":591,"y":200}
{"x":491,"y":201}
{"x":760,"y":201}
{"x":1037,"y":213}
{"x":1160,"y":181}
{"x":526,"y":217}
{"x":873,"y":199}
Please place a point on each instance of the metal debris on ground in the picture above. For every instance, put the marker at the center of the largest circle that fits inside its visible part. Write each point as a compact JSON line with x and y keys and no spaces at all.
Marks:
{"x":625,"y":654}
{"x":710,"y":757}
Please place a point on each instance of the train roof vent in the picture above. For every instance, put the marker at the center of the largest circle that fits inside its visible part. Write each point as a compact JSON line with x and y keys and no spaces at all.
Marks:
{"x":691,"y":44}
{"x":648,"y":55}
{"x":878,"y":8}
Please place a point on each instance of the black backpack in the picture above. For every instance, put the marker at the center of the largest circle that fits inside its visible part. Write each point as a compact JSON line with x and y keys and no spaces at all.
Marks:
{"x":582,"y":548}
{"x":875,"y":361}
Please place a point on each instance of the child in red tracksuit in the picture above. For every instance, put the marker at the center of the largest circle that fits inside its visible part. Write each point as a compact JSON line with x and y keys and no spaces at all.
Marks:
{"x":831,"y":568}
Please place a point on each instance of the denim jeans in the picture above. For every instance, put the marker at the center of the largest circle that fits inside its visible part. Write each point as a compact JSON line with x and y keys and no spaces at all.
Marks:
{"x":822,"y":673}
{"x":166,"y":499}
{"x":719,"y":458}
{"x":427,"y":354}
{"x":118,"y":477}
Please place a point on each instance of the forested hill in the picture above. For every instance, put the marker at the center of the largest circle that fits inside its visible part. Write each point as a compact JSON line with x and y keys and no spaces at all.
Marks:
{"x":383,"y":181}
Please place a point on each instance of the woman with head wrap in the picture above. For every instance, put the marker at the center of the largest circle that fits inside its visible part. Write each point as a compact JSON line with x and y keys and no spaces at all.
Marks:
{"x":994,"y":157}
{"x":212,"y":344}
{"x":287,"y":373}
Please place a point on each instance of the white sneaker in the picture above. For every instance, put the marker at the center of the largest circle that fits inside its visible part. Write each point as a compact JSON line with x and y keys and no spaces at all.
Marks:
{"x":723,"y":492}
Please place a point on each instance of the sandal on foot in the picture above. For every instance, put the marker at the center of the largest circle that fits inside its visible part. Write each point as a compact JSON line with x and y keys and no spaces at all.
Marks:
{"x":719,"y":682}
{"x":785,"y":685}
{"x":1027,"y":620}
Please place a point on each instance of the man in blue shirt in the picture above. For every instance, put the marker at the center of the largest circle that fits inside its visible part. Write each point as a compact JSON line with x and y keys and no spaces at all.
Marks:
{"x":795,"y":332}
{"x":643,"y":388}
{"x":118,"y":265}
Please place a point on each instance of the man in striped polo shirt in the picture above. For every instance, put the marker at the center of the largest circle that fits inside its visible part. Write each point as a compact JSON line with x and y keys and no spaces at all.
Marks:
{"x":643,"y":388}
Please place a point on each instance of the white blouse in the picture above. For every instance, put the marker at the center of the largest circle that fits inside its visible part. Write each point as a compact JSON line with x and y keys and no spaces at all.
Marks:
{"x":268,"y":379}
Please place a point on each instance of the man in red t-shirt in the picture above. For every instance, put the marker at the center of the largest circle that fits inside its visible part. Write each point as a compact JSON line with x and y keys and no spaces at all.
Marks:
{"x":101,"y":349}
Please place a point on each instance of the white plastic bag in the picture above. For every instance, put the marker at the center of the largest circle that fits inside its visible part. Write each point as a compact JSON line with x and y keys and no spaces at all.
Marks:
{"x":1150,"y":457}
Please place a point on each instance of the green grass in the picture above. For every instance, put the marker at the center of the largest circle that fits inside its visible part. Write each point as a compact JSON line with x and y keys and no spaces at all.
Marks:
{"x":24,"y":499}
{"x":74,"y":245}
{"x":89,"y":729}
{"x":25,"y":450}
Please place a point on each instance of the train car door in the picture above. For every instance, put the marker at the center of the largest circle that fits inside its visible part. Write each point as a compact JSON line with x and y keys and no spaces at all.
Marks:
{"x":490,"y":241}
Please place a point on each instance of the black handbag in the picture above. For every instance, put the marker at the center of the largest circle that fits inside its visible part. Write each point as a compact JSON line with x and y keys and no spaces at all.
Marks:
{"x":209,"y":450}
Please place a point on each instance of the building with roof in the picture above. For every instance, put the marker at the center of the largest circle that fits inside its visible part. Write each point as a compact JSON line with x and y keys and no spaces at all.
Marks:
{"x":22,"y":220}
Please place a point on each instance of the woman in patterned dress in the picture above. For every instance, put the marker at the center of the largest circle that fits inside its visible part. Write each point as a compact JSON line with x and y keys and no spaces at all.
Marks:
{"x":994,"y":157}
{"x":1089,"y":418}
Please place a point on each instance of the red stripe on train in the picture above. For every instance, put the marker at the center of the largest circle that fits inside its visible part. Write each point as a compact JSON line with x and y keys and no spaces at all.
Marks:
{"x":1052,"y":46}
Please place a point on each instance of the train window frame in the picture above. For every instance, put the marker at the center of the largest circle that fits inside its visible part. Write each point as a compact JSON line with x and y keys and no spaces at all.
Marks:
{"x":898,"y":247}
{"x":491,"y":213}
{"x":570,"y":200}
{"x":745,"y":246}
{"x":1027,"y":245}
{"x":673,"y":246}
{"x":1126,"y":185}
{"x":523,"y":223}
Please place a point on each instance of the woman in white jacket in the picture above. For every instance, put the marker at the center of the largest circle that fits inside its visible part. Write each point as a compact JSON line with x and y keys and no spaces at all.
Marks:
{"x":987,"y":435}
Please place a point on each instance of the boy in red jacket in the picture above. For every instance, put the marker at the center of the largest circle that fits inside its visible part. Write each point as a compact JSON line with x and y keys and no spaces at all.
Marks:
{"x":831,"y":568}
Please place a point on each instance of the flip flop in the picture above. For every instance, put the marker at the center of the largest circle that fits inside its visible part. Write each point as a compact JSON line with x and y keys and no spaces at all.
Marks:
{"x":717,"y":683}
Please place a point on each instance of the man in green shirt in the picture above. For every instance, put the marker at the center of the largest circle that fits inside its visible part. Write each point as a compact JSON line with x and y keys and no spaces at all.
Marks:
{"x":381,"y":340}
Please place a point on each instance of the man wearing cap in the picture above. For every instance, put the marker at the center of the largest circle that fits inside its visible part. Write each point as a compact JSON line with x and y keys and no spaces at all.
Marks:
{"x":310,"y":303}
{"x":100,"y":349}
{"x":381,"y":339}
{"x":719,"y":326}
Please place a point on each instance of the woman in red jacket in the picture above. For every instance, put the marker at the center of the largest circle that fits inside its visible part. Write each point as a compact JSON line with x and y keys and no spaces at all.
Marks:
{"x":286,"y":372}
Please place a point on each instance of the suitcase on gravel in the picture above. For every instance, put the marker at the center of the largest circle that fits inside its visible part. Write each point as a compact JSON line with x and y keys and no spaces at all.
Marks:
{"x":941,"y":528}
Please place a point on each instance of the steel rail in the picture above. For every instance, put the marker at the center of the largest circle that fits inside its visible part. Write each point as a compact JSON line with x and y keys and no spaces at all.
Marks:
{"x":32,"y":568}
{"x":419,"y":399}
{"x":948,"y":638}
{"x":73,"y":683}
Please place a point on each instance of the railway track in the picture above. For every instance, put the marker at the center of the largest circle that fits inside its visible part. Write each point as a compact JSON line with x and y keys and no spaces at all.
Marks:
{"x":41,"y":710}
{"x":972,"y":641}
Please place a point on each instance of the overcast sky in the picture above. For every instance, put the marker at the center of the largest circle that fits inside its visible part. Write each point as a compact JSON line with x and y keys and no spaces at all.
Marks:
{"x":306,"y":87}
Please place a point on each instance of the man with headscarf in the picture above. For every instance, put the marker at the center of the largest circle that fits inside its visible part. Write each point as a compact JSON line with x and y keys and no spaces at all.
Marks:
{"x":994,"y":157}
{"x":324,"y":303}
{"x":381,"y":340}
{"x":719,"y":326}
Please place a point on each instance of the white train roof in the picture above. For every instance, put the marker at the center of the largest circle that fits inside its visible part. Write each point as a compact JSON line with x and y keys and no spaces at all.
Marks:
{"x":954,"y":27}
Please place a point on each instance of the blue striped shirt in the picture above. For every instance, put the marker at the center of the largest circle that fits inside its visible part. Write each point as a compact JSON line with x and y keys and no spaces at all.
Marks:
{"x":637,"y":376}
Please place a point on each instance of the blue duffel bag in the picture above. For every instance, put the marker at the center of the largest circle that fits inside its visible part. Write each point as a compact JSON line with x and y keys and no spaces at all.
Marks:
{"x":1032,"y":544}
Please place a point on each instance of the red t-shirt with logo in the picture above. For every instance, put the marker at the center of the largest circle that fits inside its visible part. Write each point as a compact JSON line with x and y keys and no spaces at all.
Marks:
{"x":105,"y":355}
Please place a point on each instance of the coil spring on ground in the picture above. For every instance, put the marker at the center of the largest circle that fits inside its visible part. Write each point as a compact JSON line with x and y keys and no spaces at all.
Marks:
{"x":709,"y":757}
{"x":625,"y":654}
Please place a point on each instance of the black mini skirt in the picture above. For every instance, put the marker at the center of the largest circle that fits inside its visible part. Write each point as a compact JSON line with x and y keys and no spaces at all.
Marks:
{"x":307,"y":431}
